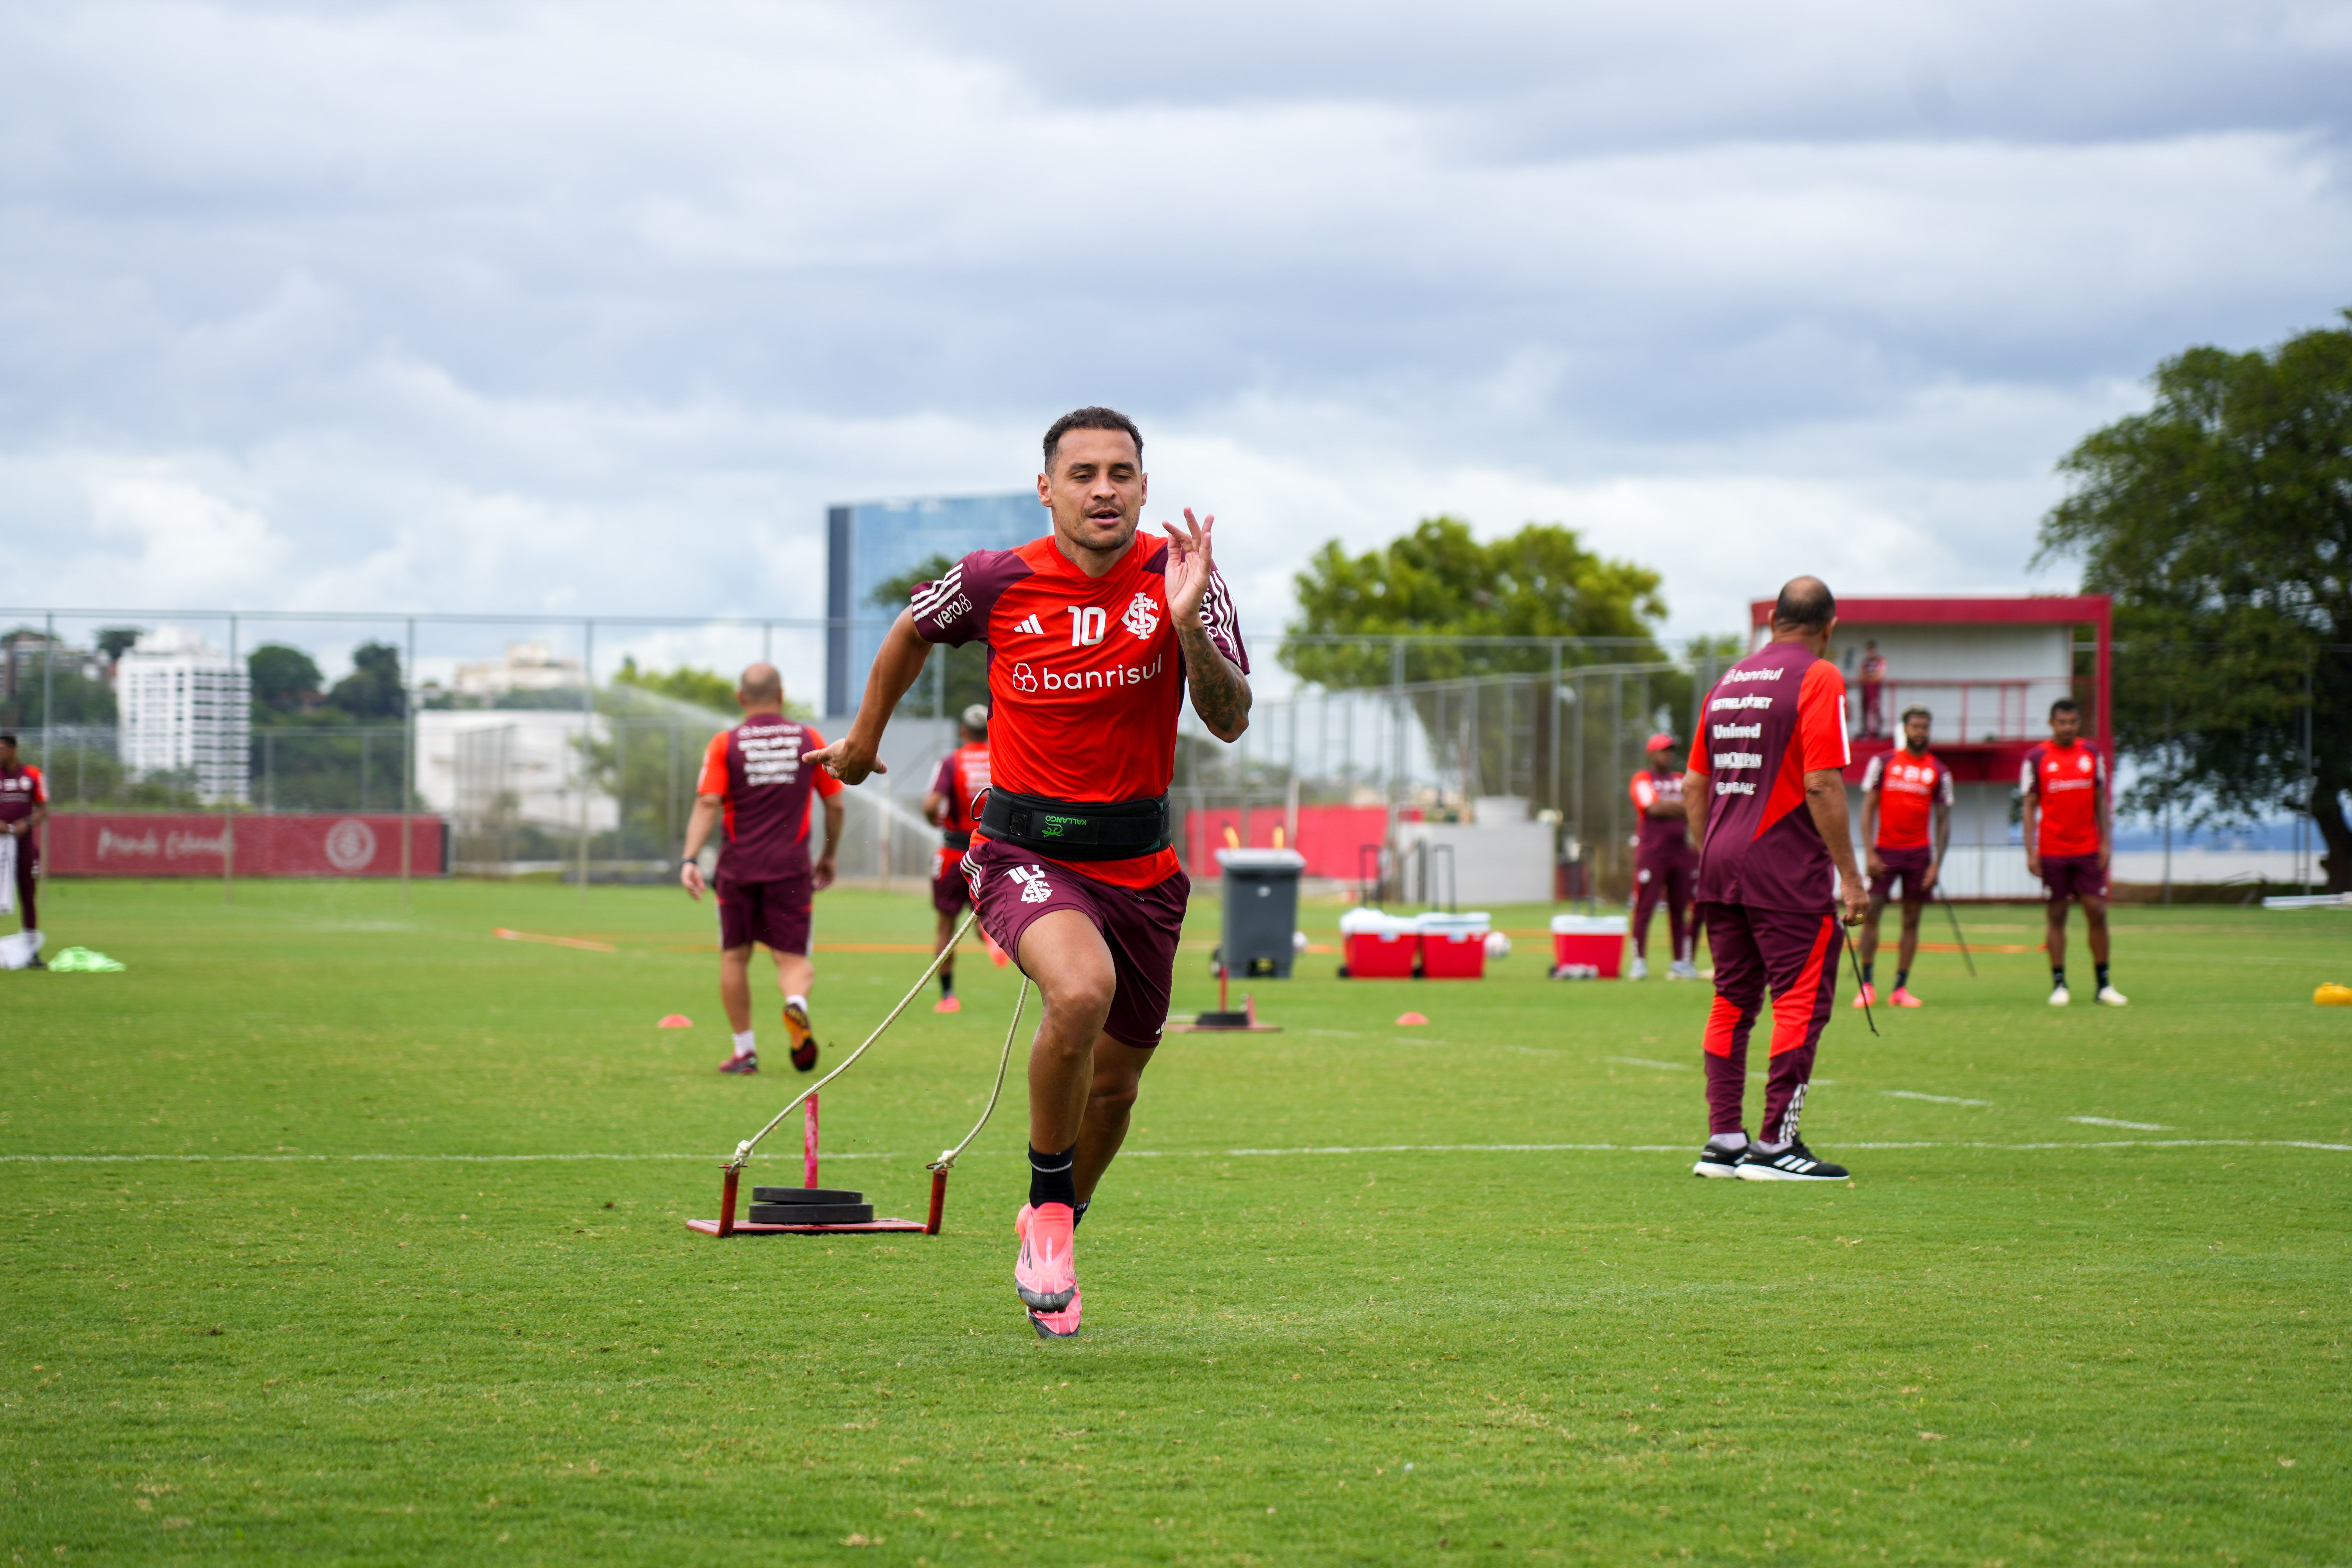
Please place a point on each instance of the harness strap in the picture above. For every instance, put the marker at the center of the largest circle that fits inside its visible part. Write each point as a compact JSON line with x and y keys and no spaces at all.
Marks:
{"x":1077,"y":829}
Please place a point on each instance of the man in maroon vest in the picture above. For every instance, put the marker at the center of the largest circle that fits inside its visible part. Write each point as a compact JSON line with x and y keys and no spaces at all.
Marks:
{"x":1766,"y":793}
{"x":756,"y":778}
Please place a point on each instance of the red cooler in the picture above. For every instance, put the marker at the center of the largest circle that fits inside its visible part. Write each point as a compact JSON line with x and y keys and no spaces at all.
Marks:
{"x":1379,"y":946}
{"x":1590,"y":947}
{"x":1454,"y":947}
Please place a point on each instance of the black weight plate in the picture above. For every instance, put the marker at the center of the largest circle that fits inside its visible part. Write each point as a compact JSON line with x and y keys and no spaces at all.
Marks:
{"x":812,"y":1214}
{"x":805,"y":1195}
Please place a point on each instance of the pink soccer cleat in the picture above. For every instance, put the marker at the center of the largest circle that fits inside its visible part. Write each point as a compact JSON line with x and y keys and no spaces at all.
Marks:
{"x":1045,"y":1274}
{"x":947,"y":1005}
{"x":749,"y":1062}
{"x":1867,"y":996}
{"x":1903,"y":998}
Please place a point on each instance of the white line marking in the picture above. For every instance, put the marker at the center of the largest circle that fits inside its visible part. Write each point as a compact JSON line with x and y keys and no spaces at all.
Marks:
{"x":1937,"y":1098}
{"x":715,"y":1158}
{"x":2111,"y":1122}
{"x":1646,"y":1062}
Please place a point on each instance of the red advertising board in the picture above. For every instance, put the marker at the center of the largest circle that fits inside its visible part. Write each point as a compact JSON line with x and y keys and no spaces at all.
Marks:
{"x":1331,"y":837}
{"x":194,"y":844}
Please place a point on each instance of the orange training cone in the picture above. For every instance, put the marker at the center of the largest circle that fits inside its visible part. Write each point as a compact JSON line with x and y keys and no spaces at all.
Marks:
{"x":1406,"y":1018}
{"x":676,"y":1021}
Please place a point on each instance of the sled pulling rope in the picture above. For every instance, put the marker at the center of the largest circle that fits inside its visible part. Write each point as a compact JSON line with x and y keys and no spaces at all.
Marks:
{"x":809,"y":1209}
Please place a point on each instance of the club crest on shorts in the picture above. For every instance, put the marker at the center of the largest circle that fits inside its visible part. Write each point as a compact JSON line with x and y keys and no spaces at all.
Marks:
{"x":1034,"y":888}
{"x":1141,"y":617}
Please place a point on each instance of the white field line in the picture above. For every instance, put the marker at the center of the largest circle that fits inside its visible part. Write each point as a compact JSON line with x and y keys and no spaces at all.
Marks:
{"x":1935,"y":1098}
{"x":1340,"y":1149}
{"x":1646,"y":1062}
{"x":2111,"y":1122}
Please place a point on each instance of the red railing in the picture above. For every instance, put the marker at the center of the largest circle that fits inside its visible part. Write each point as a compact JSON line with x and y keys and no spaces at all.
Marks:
{"x":1968,"y":712}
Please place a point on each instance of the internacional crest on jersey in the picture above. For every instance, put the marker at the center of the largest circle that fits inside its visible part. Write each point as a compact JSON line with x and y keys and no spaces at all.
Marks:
{"x":1085,"y":675}
{"x":1775,"y":716}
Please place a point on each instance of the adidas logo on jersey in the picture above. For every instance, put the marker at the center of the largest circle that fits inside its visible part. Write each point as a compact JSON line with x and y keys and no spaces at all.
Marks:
{"x":1032,"y":627}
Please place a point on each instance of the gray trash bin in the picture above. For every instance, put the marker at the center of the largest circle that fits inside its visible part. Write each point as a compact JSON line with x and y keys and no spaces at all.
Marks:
{"x":1261,"y":911}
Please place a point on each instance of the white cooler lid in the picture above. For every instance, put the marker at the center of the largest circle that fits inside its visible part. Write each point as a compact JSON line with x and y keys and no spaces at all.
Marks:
{"x":1374,"y":922}
{"x":1588,"y":925}
{"x":1471,"y":921}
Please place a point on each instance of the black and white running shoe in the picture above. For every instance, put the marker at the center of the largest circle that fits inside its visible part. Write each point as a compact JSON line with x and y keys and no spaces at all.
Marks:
{"x":1714,"y":1162}
{"x":1794,"y":1163}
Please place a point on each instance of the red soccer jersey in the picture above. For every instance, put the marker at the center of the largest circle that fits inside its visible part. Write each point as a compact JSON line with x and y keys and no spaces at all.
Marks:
{"x":1775,"y":716}
{"x":2068,"y":782}
{"x":962,"y":778}
{"x":1085,"y":677}
{"x":755,"y":770}
{"x":21,"y":789}
{"x":1910,"y":789}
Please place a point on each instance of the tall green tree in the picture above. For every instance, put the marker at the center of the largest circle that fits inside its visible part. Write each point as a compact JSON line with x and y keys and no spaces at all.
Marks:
{"x":966,"y":667}
{"x":285,"y":680}
{"x":2222,"y":521}
{"x":1540,"y":582}
{"x":371,"y":692}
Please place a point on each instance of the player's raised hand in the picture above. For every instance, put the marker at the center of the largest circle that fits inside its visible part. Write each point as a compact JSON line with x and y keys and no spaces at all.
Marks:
{"x":849,"y":759}
{"x":1189,"y":561}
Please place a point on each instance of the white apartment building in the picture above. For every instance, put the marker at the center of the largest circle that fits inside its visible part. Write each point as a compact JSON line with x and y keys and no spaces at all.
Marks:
{"x":185,"y":707}
{"x":530,"y":666}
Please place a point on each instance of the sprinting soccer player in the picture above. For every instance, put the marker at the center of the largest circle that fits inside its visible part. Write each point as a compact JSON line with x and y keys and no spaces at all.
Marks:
{"x":1906,"y":820}
{"x":953,"y":799}
{"x":1095,"y":639}
{"x":756,"y":778}
{"x":24,"y":806}
{"x":1767,"y":796}
{"x":1664,"y":865}
{"x":2069,"y":834}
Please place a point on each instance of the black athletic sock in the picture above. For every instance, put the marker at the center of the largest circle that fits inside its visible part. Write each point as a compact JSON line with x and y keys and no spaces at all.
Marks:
{"x":1050,"y":1181}
{"x":1870,"y":971}
{"x":1900,"y":976}
{"x":1078,"y":1211}
{"x":946,"y":982}
{"x":2057,"y":975}
{"x":2103,"y":976}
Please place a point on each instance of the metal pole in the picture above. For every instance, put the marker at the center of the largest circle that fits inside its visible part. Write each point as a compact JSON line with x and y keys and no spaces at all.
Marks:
{"x":767,"y":642}
{"x":587,"y":735}
{"x":2310,"y":777}
{"x":48,"y":693}
{"x":1551,"y":729}
{"x":1396,"y":739}
{"x":2171,"y":768}
{"x":407,"y":762}
{"x":228,"y":796}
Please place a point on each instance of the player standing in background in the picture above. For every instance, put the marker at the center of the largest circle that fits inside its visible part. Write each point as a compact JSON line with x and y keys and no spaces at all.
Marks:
{"x":1665,"y":864}
{"x":1906,"y":821}
{"x":954,"y":796}
{"x":757,"y":778}
{"x":1873,"y":689}
{"x":1766,"y":792}
{"x":2069,"y":834}
{"x":24,"y":806}
{"x":1095,"y":639}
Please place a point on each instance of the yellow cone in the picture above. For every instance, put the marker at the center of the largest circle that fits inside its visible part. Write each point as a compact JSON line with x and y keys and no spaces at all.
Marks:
{"x":2333,"y":997}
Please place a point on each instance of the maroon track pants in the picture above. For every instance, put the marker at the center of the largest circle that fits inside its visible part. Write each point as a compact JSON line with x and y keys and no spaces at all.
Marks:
{"x":1673,"y":880}
{"x":1795,"y":955}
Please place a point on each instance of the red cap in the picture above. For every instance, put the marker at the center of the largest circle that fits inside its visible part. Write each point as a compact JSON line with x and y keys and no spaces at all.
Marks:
{"x":1662,"y":742}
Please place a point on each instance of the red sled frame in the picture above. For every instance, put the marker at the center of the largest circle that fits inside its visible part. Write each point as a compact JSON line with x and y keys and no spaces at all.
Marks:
{"x":725,"y":1224}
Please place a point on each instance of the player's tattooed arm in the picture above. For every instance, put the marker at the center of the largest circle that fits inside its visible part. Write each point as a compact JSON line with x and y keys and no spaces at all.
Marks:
{"x":1221,"y":693}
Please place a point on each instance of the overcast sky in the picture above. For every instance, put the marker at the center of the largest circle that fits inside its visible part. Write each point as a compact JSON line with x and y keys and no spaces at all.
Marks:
{"x":593,"y":307}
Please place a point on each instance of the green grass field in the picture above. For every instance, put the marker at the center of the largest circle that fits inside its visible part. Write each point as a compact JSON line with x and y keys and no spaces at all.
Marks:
{"x":343,"y":1231}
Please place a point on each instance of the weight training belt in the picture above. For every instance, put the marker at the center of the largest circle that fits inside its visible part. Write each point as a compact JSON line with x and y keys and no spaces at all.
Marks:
{"x":1077,"y":829}
{"x":956,"y":839}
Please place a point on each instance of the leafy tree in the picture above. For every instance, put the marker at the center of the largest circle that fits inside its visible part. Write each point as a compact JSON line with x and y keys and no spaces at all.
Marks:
{"x":371,"y":692}
{"x":703,"y":687}
{"x":966,"y":667}
{"x":2222,"y":521}
{"x":116,"y":641}
{"x":1541,"y":582}
{"x":285,"y":680}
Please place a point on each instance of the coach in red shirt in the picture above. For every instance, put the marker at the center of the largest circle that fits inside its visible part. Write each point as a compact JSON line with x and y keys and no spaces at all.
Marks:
{"x":757,"y":779}
{"x":23,"y":805}
{"x":2068,"y":837}
{"x":1096,"y":637}
{"x":1766,"y":795}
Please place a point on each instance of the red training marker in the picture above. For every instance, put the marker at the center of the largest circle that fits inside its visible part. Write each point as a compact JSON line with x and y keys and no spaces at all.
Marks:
{"x":1411,"y":1018}
{"x":676,"y":1021}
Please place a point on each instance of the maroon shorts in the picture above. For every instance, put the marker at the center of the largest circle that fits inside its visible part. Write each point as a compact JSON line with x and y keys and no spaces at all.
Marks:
{"x":1908,"y":867}
{"x":1011,"y":888}
{"x":2073,"y":877}
{"x":949,"y":895}
{"x":774,"y":914}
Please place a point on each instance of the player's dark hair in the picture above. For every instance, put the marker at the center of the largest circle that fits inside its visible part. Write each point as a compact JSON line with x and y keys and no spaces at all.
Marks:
{"x":1805,"y":605}
{"x":1921,"y":711}
{"x":2065,"y":705}
{"x":8,"y":740}
{"x":1090,"y":419}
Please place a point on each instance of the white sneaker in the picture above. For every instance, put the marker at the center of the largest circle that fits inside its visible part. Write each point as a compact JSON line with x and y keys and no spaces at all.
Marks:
{"x":1640,"y":971}
{"x":2113,"y":997}
{"x":2058,"y":998}
{"x":1682,"y":970}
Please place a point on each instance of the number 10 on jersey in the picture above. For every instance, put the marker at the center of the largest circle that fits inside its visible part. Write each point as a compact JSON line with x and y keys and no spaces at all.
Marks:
{"x":1087,"y":622}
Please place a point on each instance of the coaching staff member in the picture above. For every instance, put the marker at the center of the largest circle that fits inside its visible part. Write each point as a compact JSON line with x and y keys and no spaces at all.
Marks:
{"x":24,"y":806}
{"x":1094,"y":637}
{"x":1767,"y":797}
{"x":757,"y":778}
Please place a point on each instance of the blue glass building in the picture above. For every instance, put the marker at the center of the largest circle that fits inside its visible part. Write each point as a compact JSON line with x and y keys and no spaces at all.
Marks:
{"x":868,"y":542}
